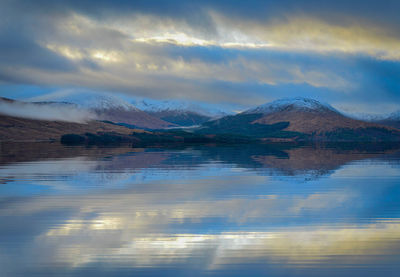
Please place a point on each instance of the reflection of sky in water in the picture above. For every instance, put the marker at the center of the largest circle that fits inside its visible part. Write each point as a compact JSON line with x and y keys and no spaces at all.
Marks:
{"x":179,"y":211}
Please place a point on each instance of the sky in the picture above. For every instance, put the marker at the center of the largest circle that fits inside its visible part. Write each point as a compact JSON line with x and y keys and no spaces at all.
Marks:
{"x":233,"y":54}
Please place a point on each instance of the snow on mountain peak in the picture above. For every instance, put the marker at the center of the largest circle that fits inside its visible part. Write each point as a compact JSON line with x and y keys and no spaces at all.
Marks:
{"x":179,"y":107}
{"x":106,"y":102}
{"x":297,"y":103}
{"x":395,"y":115}
{"x":158,"y":106}
{"x":92,"y":101}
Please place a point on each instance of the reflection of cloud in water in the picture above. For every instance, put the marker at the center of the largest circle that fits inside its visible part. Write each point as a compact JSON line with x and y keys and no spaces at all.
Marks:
{"x":60,"y":167}
{"x":294,"y":246}
{"x":145,"y":229}
{"x":148,"y":211}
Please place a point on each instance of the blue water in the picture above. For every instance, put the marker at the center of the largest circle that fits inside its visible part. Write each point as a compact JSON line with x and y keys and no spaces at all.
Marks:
{"x":201,"y":210}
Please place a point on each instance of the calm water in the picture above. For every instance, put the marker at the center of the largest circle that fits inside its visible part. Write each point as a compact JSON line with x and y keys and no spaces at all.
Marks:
{"x":199,"y":211}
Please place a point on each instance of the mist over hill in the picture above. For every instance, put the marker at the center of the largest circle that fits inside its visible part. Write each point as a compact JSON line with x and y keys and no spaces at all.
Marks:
{"x":53,"y":111}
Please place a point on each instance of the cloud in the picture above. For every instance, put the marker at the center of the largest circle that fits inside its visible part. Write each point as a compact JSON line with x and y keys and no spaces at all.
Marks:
{"x":239,"y":54}
{"x":46,"y":111}
{"x":300,"y":33}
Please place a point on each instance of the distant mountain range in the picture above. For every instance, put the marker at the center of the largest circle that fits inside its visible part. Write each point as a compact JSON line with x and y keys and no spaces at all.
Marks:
{"x":390,"y":120}
{"x":393,"y":120}
{"x":296,"y":119}
{"x":147,"y":114}
{"x":131,"y":117}
{"x":181,"y":118}
{"x":117,"y":110}
{"x":179,"y":112}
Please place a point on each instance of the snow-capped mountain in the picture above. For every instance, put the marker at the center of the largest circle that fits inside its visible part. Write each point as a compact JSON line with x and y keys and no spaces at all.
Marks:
{"x":298,"y":103}
{"x":112,"y":108}
{"x":395,"y":115}
{"x":392,"y":120}
{"x":366,"y":116}
{"x":293,"y":116}
{"x":389,"y":119}
{"x":117,"y":110}
{"x":179,"y":112}
{"x":179,"y":107}
{"x":124,"y":109}
{"x":93,"y":101}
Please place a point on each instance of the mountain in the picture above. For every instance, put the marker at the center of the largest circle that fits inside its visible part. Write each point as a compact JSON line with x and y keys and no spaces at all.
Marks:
{"x":140,"y":113}
{"x":151,"y":105}
{"x":298,"y":103}
{"x":298,"y":119}
{"x":44,"y":121}
{"x":132,"y":117}
{"x":181,"y":117}
{"x":302,"y":119}
{"x":388,"y":119}
{"x":117,"y":110}
{"x":393,"y":120}
{"x":305,"y":115}
{"x":179,"y":112}
{"x":107,"y":107}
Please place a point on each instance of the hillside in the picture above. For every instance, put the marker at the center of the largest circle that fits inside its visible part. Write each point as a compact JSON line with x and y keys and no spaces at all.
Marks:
{"x":181,"y":118}
{"x":392,"y":120}
{"x":179,"y":112}
{"x":105,"y":108}
{"x":300,"y":118}
{"x":296,"y":119}
{"x":306,"y":116}
{"x":394,"y":123}
{"x":22,"y":129}
{"x":132,"y":117}
{"x":117,"y":110}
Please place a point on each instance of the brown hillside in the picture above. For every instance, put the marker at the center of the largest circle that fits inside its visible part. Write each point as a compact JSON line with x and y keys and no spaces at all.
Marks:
{"x":309,"y":121}
{"x":22,"y":129}
{"x":137,"y":118}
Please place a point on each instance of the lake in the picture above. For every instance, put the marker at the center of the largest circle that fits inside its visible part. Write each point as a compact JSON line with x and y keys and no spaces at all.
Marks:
{"x":199,"y":210}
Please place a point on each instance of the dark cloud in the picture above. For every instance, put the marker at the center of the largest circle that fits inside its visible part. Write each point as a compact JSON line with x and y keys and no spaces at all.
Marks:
{"x":36,"y":47}
{"x":19,"y":51}
{"x":195,"y":11}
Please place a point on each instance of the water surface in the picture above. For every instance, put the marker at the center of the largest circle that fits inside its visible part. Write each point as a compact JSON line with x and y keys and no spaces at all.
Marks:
{"x":201,"y":210}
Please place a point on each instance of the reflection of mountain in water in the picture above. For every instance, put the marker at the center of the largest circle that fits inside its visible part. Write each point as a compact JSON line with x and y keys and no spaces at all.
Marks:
{"x":295,"y":159}
{"x":284,"y":159}
{"x":287,"y":159}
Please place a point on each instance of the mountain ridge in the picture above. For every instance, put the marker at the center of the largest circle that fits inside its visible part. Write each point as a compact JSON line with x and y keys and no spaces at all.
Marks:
{"x":390,"y":120}
{"x":300,"y":119}
{"x":299,"y":103}
{"x":180,"y":113}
